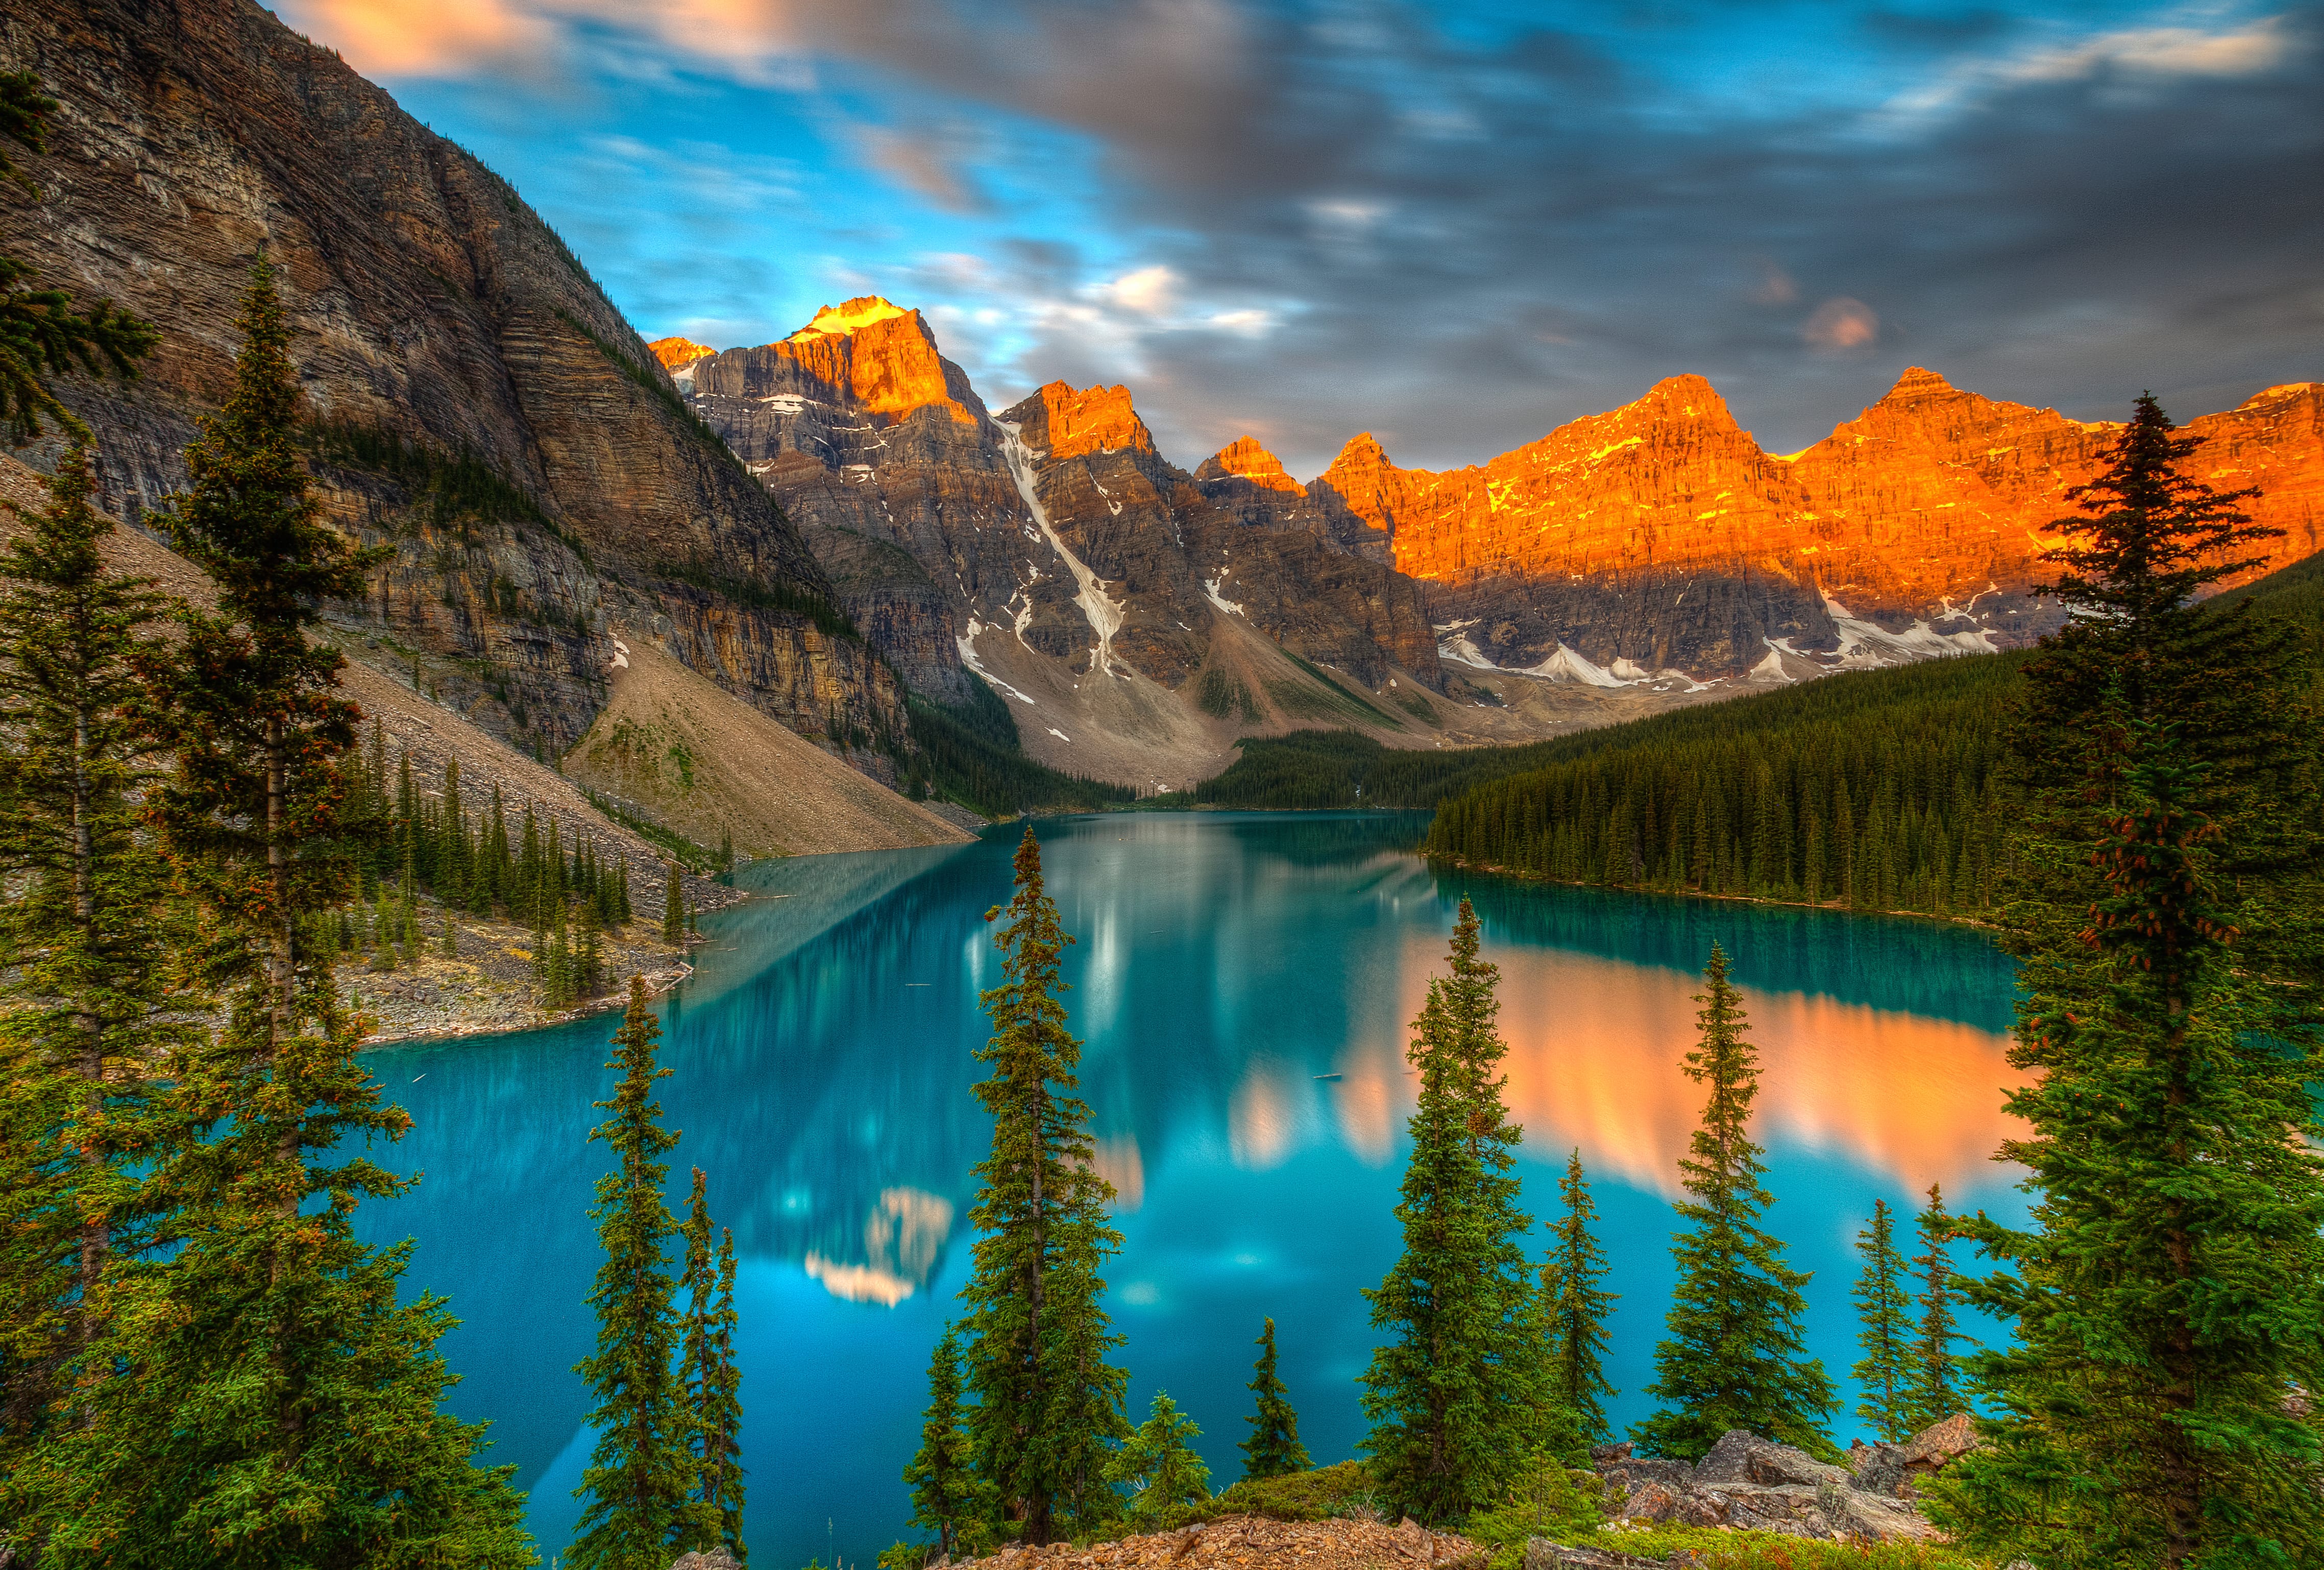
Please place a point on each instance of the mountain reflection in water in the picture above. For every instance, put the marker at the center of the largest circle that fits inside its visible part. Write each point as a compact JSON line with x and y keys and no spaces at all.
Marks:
{"x":823,"y":1073}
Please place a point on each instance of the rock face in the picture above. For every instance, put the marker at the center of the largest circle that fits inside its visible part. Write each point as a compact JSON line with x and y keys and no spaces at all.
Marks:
{"x":481,"y":408}
{"x":1755,"y":1484}
{"x":1660,"y":535}
{"x":1134,"y":616}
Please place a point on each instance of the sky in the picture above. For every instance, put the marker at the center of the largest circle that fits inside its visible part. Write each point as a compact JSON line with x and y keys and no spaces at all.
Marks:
{"x":1453,"y":225}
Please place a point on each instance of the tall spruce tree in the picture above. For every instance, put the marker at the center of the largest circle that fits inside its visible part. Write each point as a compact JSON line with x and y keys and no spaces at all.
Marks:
{"x":641,"y":1478}
{"x":1735,"y":1357}
{"x":1048,"y":1405}
{"x":1273,"y":1449}
{"x":1455,"y":1397}
{"x":1886,"y":1373}
{"x":84,"y":1043}
{"x":945,"y":1497}
{"x":711,"y":1382}
{"x":1159,"y":1466}
{"x":2163,"y":894}
{"x":268,"y":1399}
{"x":1937,"y":1391}
{"x":1573,"y":1285}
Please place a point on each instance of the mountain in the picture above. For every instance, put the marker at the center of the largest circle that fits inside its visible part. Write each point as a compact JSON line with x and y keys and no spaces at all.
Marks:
{"x":1136,"y":618}
{"x":1661,"y":536}
{"x":480,"y":407}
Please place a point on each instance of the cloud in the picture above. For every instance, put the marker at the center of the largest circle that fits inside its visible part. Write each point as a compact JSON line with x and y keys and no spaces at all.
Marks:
{"x":928,"y":162}
{"x":1840,"y":323}
{"x":413,"y":38}
{"x":1774,"y":286}
{"x":1150,"y":292}
{"x":2136,"y":55}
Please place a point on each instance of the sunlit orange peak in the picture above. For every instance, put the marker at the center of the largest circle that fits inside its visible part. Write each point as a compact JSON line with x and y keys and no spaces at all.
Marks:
{"x":837,"y":321}
{"x":1245,"y":459}
{"x":676,"y":353}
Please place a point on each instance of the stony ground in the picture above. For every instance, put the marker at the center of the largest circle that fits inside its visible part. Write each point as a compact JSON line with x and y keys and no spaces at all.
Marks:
{"x":1346,"y":1544}
{"x":489,"y":988}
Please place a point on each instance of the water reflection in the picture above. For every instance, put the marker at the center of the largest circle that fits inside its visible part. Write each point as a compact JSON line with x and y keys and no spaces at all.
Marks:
{"x":1244,"y":985}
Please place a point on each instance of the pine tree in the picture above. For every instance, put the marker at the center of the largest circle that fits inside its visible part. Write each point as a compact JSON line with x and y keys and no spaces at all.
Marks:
{"x":711,"y":1381}
{"x":1273,"y":1449}
{"x":84,"y":1038}
{"x":1579,"y":1308}
{"x":944,"y":1492}
{"x":1886,"y":1373}
{"x":1936,"y":1380}
{"x":1735,"y":1356}
{"x":41,"y":334}
{"x":1159,"y":1466}
{"x":2170,"y":1291}
{"x":1456,"y":1396}
{"x":673,"y":909}
{"x":641,"y":1477}
{"x":1047,"y":1403}
{"x":319,"y":1434}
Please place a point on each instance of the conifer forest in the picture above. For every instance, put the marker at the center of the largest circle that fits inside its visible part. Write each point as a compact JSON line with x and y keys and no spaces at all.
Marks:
{"x":1571,"y":1224}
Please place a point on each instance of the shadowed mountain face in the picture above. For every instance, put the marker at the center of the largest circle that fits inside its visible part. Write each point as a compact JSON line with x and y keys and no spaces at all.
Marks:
{"x":1053,"y":548}
{"x":1660,"y":535}
{"x":481,"y":407}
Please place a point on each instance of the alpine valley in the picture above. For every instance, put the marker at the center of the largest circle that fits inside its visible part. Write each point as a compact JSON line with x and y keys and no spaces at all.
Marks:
{"x":828,"y":529}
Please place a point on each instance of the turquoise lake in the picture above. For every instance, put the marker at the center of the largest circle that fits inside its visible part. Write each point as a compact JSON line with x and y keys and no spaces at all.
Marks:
{"x":1224,"y":963}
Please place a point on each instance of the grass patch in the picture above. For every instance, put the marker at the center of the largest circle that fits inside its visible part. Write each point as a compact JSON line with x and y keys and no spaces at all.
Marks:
{"x":1362,"y":703}
{"x":697,"y":859}
{"x":1222,"y":697}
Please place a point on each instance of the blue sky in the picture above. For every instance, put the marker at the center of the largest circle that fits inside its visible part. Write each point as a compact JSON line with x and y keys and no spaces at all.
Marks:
{"x":1453,"y":225}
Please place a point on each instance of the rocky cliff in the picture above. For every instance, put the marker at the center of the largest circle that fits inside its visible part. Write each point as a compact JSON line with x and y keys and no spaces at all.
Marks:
{"x":479,"y":405}
{"x":1661,"y":536}
{"x":1136,"y":617}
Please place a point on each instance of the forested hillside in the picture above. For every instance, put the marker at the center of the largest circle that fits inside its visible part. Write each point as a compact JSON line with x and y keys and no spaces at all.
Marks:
{"x":1877,"y":789}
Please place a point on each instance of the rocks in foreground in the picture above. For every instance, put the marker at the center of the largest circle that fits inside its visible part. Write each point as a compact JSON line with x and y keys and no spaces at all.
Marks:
{"x":1348,"y":1543}
{"x":1754,"y":1484}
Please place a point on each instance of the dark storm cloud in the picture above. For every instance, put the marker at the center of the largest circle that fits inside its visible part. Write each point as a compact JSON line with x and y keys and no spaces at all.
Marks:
{"x":1545,"y":238}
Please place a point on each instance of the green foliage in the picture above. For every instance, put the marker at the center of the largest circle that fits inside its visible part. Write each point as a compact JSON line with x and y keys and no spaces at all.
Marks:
{"x":1577,"y":1308}
{"x":963,"y":758}
{"x":1273,"y":1449}
{"x":41,"y":334}
{"x":1223,"y":697}
{"x":1318,"y":1494}
{"x":85,"y":1040}
{"x":762,"y":593}
{"x":1735,"y":1355}
{"x":1888,"y":1370}
{"x":944,"y":1495}
{"x":1456,"y":1394}
{"x":1937,"y":1385}
{"x":711,"y":1380}
{"x":1157,"y":1466}
{"x":1723,"y":1548}
{"x":641,"y":1476}
{"x":260,"y":1396}
{"x":1544,"y":1502}
{"x":2170,"y":1290}
{"x":1048,"y":1405}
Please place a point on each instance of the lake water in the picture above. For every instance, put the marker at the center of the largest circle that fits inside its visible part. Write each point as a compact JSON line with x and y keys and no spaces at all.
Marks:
{"x":1226,"y":965}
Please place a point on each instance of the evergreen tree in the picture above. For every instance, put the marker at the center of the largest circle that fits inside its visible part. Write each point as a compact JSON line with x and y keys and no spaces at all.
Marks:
{"x":1273,"y":1449}
{"x":1936,"y":1380}
{"x":944,"y":1492}
{"x":83,"y":1038}
{"x":1735,"y":1357}
{"x":711,"y":1381}
{"x":1047,"y":1403}
{"x":1456,"y":1396}
{"x":641,"y":1477}
{"x":1886,"y":1373}
{"x":1579,"y":1308}
{"x":1159,"y":1466}
{"x":2169,"y":1292}
{"x":269,"y":1396}
{"x":673,"y":909}
{"x":41,"y":334}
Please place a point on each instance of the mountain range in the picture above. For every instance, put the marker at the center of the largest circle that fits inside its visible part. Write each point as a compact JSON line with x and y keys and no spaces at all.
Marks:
{"x":1649,"y":554}
{"x":834,"y":527}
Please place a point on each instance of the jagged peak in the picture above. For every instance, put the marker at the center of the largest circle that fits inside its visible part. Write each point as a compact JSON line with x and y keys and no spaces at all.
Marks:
{"x":1917,"y":382}
{"x":676,"y":353}
{"x":1244,"y":458}
{"x":1688,"y":395}
{"x":838,"y":321}
{"x":2280,"y":390}
{"x":1362,"y":452}
{"x":1075,"y":420}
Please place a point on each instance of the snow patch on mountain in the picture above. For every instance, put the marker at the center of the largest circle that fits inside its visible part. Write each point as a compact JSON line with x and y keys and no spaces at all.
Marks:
{"x":1105,"y":613}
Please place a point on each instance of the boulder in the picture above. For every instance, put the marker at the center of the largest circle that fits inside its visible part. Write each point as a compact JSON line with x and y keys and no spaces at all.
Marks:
{"x":1741,"y":1457}
{"x":1876,"y":1468}
{"x":1541,"y":1554}
{"x":1938,"y":1445}
{"x":705,"y":1559}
